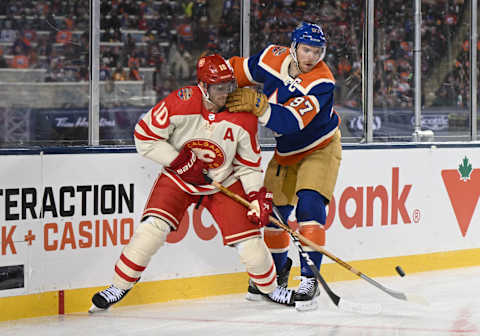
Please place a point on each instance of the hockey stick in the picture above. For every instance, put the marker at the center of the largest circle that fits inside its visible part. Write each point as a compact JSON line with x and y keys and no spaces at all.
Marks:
{"x":316,"y":247}
{"x":338,"y":301}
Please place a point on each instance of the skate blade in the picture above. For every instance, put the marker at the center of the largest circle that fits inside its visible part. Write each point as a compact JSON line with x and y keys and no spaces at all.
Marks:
{"x":94,"y":309}
{"x":254,"y":297}
{"x":302,"y":306}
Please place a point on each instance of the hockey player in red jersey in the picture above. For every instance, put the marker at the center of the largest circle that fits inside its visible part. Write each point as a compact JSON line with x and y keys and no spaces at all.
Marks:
{"x":297,"y":104}
{"x":190,"y":133}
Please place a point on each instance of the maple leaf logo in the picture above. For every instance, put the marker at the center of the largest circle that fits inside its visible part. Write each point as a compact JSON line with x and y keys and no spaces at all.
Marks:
{"x":465,"y":169}
{"x":463,"y":191}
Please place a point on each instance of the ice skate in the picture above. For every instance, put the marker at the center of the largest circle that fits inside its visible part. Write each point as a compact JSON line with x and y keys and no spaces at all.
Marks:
{"x":253,"y":294}
{"x":306,"y":297}
{"x":104,"y":299}
{"x":282,"y":276}
{"x":282,"y":295}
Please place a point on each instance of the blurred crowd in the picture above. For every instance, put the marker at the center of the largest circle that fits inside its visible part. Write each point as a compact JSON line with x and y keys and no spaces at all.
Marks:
{"x":168,"y":36}
{"x":442,"y":23}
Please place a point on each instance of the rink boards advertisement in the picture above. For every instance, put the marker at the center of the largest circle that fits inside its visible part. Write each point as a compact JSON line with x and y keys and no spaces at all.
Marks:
{"x":64,"y":218}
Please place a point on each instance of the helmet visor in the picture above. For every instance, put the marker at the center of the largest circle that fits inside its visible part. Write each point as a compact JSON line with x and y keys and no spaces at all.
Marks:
{"x":222,"y":88}
{"x":218,"y":92}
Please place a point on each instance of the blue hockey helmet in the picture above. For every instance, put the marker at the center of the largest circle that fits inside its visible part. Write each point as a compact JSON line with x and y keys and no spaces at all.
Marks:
{"x":310,"y":34}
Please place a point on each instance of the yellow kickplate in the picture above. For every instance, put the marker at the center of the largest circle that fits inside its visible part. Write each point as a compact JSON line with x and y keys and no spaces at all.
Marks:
{"x":78,"y":300}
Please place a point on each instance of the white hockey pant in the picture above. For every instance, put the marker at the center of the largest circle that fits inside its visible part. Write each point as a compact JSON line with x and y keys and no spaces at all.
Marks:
{"x":147,"y":239}
{"x":258,"y":261}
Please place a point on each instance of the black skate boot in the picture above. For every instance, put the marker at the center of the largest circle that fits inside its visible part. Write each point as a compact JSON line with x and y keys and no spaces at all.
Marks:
{"x":104,"y":299}
{"x":282,"y":276}
{"x":307,"y":293}
{"x":253,"y":294}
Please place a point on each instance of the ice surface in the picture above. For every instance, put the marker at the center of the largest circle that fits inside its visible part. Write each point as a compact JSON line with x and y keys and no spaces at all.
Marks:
{"x":453,"y":296}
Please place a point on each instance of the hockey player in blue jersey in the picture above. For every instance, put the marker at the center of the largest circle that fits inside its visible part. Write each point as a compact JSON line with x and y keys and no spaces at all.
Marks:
{"x":297,"y":104}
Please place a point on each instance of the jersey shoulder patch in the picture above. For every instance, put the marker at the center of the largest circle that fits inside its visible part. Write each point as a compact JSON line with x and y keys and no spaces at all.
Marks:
{"x":273,"y":57}
{"x":187,"y":100}
{"x":185,"y":93}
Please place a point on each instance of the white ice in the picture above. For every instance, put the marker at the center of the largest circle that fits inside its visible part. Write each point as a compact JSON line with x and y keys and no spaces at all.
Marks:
{"x":453,"y":296}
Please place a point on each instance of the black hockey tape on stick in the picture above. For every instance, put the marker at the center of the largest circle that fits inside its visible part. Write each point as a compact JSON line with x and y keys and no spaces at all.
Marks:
{"x":337,"y":300}
{"x":331,"y":256}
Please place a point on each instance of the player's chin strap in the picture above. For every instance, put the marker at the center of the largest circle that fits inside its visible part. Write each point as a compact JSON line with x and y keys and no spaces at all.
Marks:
{"x":293,"y":52}
{"x":204,"y":93}
{"x":318,"y":248}
{"x":206,"y":96}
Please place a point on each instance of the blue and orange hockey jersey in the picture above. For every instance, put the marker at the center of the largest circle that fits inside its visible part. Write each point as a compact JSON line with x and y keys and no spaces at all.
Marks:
{"x":301,"y":109}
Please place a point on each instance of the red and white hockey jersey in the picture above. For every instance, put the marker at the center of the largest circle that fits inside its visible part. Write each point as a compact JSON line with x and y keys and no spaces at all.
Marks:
{"x":226,"y":141}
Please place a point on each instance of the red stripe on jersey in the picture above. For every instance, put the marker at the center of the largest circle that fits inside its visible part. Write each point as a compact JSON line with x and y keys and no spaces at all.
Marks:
{"x":142,"y":137}
{"x":253,"y":140}
{"x":131,"y":264}
{"x":246,"y":162}
{"x":147,"y":130}
{"x":124,"y":276}
{"x":264,"y":275}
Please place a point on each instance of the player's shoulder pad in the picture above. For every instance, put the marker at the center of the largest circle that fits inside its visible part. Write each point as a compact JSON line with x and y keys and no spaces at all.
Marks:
{"x":320,"y":74}
{"x":245,"y":120}
{"x":273,"y":57}
{"x":183,"y":100}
